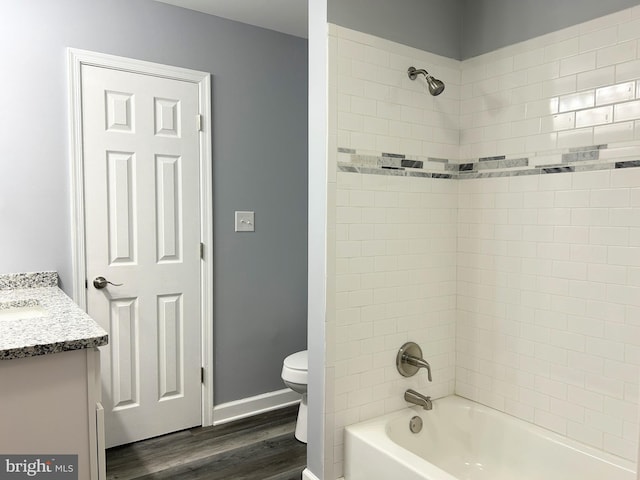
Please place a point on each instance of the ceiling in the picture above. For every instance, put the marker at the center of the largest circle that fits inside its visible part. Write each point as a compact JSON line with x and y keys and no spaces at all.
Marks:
{"x":286,"y":16}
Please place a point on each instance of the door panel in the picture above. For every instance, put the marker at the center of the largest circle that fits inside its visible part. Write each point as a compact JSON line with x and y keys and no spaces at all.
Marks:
{"x":170,"y":382}
{"x":121,"y":194}
{"x":125,"y":375}
{"x":169,"y":224}
{"x":142,"y":209}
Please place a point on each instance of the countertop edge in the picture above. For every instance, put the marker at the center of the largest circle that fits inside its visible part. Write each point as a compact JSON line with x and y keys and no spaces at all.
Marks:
{"x":57,"y":347}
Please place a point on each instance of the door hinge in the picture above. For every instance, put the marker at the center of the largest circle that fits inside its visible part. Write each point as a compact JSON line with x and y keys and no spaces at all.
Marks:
{"x":199,"y":122}
{"x":202,"y":250}
{"x":86,"y":283}
{"x":201,"y":374}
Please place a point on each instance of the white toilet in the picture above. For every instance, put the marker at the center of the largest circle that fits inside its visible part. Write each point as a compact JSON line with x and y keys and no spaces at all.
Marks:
{"x":294,"y":375}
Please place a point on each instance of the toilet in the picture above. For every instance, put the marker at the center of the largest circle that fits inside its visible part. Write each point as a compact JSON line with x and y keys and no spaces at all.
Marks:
{"x":294,"y":375}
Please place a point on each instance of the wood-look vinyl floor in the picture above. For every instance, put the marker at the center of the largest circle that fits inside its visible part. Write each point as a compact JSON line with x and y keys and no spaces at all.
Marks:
{"x":256,"y":448}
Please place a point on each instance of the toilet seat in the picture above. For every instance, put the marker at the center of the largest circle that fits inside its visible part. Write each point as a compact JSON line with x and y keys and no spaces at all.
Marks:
{"x":294,"y":368}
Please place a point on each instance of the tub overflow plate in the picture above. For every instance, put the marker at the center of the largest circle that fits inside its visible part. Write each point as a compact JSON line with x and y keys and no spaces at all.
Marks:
{"x":415,"y":424}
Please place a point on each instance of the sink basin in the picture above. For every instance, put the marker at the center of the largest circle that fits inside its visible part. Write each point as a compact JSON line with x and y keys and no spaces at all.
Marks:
{"x":25,"y":311}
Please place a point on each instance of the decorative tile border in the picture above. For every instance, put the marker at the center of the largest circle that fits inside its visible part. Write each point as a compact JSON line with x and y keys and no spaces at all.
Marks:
{"x":582,"y":159}
{"x":391,"y":171}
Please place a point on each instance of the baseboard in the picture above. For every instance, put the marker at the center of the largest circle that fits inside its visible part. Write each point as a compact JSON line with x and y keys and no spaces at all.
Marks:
{"x":247,"y":407}
{"x":307,"y":475}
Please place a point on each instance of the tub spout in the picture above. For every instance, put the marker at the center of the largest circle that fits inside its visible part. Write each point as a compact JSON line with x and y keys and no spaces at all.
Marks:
{"x":417,"y":398}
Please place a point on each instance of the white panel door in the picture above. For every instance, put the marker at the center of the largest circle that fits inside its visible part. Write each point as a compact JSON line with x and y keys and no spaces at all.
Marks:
{"x":142,"y":221}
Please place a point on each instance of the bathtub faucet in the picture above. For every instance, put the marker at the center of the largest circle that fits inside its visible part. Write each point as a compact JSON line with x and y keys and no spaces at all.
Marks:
{"x":416,"y":398}
{"x":409,"y":360}
{"x":418,"y":362}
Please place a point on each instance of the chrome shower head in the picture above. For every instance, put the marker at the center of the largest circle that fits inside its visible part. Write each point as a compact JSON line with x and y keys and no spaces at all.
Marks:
{"x":436,"y":87}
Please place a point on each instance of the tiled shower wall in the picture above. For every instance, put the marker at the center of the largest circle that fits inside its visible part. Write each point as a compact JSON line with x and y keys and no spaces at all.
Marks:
{"x":377,"y":108}
{"x":572,"y":88}
{"x":546,"y":249}
{"x":395,"y":281}
{"x":548,"y":324}
{"x":391,"y":239}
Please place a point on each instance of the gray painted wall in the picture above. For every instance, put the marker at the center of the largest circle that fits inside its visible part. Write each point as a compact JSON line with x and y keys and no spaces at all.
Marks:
{"x":491,"y":24}
{"x":462,"y":29}
{"x":259,"y":161}
{"x":431,"y":25}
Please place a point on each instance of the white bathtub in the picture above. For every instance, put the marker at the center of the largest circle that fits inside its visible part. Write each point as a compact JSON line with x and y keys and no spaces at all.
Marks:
{"x":464,"y":440}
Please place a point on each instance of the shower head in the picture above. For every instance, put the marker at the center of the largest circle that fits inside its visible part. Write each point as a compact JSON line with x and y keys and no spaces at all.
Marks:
{"x":436,"y":87}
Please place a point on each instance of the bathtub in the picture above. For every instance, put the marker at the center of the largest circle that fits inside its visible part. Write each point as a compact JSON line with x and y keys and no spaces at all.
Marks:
{"x":463,"y":440}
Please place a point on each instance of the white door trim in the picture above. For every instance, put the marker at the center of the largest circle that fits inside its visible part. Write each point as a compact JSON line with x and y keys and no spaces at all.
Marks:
{"x":77,"y":58}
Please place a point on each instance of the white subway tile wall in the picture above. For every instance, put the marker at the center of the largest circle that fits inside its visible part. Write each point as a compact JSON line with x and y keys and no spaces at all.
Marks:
{"x":523,"y":291}
{"x":546,"y":275}
{"x":547,"y":324}
{"x":575,"y":92}
{"x":379,"y":109}
{"x":395,"y":281}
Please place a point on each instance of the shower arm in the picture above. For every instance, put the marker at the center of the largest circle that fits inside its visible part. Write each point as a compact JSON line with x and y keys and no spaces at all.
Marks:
{"x":413,"y":72}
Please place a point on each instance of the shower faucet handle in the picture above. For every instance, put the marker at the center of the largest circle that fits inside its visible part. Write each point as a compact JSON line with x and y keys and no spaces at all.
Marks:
{"x":418,"y":362}
{"x":409,"y":360}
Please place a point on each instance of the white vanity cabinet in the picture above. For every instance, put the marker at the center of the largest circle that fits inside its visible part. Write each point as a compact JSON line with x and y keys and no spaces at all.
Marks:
{"x":50,"y":405}
{"x":50,"y":387}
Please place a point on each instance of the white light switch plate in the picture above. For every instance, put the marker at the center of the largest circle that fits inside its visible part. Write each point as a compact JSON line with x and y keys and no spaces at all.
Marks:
{"x":245,"y":222}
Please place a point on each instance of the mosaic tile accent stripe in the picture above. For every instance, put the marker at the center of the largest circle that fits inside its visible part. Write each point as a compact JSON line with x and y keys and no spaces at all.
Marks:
{"x":412,"y":163}
{"x":346,"y":150}
{"x":628,"y":164}
{"x":558,"y":169}
{"x":502,"y":164}
{"x":392,"y":171}
{"x":580,"y":159}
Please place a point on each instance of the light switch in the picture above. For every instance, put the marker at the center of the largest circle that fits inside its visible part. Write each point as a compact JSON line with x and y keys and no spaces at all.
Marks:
{"x":245,"y":222}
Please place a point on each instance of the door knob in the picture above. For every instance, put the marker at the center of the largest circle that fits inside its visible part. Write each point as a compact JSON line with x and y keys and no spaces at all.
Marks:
{"x":101,"y":282}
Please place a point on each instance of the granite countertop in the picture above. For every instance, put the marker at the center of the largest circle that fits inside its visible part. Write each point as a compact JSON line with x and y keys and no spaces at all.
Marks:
{"x":64,"y":327}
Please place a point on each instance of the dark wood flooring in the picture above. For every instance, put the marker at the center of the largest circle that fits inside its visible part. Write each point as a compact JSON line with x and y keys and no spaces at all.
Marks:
{"x":262,"y":447}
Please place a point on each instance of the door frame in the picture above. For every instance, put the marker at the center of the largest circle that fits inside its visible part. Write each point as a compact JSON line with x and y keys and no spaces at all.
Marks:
{"x":76,"y":58}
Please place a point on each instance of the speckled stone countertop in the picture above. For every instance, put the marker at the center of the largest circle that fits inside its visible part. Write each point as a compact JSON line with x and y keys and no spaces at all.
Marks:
{"x":64,"y":327}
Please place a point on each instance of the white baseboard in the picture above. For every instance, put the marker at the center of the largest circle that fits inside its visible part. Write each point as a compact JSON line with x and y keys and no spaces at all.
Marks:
{"x":307,"y":475}
{"x":247,"y":407}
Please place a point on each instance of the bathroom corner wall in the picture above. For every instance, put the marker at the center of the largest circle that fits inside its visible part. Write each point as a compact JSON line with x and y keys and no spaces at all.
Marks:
{"x":391,"y":237}
{"x":549,"y":232}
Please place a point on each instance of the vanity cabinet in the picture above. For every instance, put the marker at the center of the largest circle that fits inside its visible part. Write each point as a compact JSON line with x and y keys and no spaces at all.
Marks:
{"x":50,"y":387}
{"x":50,"y":405}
